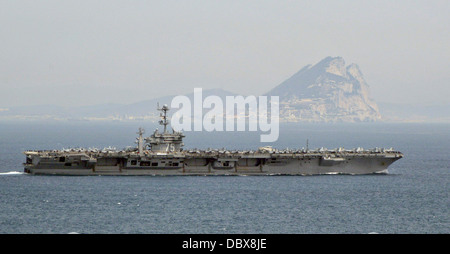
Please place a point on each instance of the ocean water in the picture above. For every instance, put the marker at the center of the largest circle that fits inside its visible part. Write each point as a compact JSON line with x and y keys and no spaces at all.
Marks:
{"x":412,"y":198}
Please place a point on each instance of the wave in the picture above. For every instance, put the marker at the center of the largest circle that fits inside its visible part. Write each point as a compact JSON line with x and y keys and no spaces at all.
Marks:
{"x":11,"y":173}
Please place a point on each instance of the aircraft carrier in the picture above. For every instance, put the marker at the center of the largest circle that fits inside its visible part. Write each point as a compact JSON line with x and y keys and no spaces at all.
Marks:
{"x":162,"y":154}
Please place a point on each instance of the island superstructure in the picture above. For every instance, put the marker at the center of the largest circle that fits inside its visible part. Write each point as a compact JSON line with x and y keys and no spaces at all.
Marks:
{"x":162,"y":154}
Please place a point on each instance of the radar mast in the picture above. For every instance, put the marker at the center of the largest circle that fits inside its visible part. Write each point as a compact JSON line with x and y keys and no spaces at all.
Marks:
{"x":140,"y":141}
{"x":164,"y":121}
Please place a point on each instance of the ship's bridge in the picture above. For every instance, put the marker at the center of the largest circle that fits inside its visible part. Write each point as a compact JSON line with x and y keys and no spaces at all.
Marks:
{"x":164,"y":142}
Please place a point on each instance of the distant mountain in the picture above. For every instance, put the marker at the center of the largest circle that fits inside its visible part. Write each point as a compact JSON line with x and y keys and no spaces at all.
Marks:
{"x":329,"y":91}
{"x":143,"y":110}
{"x":326,"y":92}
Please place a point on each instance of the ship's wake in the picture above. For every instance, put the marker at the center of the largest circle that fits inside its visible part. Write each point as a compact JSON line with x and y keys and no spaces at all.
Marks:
{"x":11,"y":173}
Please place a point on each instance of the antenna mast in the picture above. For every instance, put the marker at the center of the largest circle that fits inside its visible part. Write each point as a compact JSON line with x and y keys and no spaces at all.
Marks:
{"x":140,"y":141}
{"x":164,"y":121}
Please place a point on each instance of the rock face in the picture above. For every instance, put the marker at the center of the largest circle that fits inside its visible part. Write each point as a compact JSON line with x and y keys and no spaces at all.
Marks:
{"x":326,"y":92}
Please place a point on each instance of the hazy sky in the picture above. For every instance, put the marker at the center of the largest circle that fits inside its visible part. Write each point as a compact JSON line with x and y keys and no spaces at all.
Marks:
{"x":91,"y":52}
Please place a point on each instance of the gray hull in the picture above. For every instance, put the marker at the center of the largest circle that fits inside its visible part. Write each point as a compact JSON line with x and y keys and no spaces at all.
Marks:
{"x":166,"y":157}
{"x":262,"y":164}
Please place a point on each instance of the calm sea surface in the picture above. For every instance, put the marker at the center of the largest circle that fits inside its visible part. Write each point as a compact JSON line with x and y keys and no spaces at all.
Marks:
{"x":412,"y":198}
